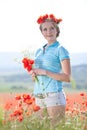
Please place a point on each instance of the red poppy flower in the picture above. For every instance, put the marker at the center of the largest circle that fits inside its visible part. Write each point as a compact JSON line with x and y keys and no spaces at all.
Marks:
{"x":20,"y":118}
{"x":25,"y":62}
{"x":29,"y":101}
{"x":29,"y":68}
{"x":41,"y":19}
{"x":36,"y":108}
{"x":17,"y":112}
{"x":18,"y":97}
{"x":82,"y":94}
{"x":26,"y":96}
{"x":28,"y":63}
{"x":8,"y":106}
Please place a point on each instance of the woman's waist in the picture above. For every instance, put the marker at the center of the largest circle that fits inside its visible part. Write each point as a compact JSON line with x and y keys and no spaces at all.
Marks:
{"x":46,"y":94}
{"x":45,"y":80}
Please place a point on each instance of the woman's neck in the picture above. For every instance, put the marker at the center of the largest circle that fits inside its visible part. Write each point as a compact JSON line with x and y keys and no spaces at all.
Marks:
{"x":51,"y":42}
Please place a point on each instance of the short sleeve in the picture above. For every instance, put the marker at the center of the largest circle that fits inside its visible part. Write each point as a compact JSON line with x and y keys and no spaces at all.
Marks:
{"x":63,"y":53}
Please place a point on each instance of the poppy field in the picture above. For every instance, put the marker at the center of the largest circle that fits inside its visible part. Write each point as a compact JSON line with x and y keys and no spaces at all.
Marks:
{"x":18,"y":111}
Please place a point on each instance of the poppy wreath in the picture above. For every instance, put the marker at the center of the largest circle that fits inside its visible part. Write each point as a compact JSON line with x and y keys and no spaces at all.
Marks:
{"x":42,"y":19}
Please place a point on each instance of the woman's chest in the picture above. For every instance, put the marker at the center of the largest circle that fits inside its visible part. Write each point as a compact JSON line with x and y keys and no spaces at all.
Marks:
{"x":47,"y":58}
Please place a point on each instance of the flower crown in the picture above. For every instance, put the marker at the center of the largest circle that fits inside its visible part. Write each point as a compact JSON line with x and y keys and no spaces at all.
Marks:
{"x":42,"y":19}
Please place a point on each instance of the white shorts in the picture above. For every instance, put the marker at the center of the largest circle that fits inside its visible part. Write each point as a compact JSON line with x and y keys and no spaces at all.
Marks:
{"x":51,"y":99}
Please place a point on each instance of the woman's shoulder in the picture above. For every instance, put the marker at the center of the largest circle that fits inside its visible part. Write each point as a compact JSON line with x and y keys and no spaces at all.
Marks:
{"x":62,"y":52}
{"x":61,"y":47}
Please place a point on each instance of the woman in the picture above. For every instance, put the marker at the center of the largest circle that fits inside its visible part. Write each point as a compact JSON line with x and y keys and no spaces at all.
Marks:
{"x":52,"y":67}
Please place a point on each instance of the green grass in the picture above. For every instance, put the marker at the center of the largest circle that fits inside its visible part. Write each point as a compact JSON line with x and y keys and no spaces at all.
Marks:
{"x":34,"y":123}
{"x":1,"y":116}
{"x":15,"y":87}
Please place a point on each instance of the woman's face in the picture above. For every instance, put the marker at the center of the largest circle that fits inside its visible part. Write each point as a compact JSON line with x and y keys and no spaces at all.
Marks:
{"x":49,"y":31}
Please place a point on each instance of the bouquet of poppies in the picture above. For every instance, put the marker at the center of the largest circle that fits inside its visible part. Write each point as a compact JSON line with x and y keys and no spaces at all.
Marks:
{"x":28,"y":65}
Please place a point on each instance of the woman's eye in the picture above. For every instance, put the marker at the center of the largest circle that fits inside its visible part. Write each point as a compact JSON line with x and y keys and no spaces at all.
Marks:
{"x":52,"y":28}
{"x":45,"y":29}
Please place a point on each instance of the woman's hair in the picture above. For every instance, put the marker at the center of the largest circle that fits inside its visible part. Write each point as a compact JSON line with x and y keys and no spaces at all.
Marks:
{"x":54,"y":24}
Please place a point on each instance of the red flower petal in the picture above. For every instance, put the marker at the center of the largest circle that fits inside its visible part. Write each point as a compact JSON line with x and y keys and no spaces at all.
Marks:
{"x":26,"y":96}
{"x":31,"y":61}
{"x":29,"y":68}
{"x":18,"y":97}
{"x":36,"y":108}
{"x":82,"y":94}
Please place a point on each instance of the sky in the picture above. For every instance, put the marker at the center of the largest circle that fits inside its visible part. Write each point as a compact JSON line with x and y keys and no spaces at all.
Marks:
{"x":19,"y":30}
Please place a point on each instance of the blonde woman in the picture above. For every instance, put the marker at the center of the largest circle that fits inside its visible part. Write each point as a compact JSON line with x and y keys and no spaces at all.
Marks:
{"x":52,"y":67}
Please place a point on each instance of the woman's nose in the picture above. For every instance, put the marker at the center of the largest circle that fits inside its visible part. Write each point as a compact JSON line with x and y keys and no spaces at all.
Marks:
{"x":49,"y":31}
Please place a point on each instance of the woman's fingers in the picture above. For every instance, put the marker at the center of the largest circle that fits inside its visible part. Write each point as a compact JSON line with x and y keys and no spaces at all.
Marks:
{"x":32,"y":73}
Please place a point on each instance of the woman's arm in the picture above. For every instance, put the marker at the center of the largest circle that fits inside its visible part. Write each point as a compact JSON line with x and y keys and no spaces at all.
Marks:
{"x":64,"y":76}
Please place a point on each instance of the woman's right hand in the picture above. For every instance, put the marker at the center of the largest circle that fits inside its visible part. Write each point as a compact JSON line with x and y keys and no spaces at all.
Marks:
{"x":33,"y":74}
{"x":36,"y":71}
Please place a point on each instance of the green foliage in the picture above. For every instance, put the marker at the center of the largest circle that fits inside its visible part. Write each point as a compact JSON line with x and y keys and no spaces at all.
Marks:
{"x":1,"y":116}
{"x":73,"y":83}
{"x":34,"y":123}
